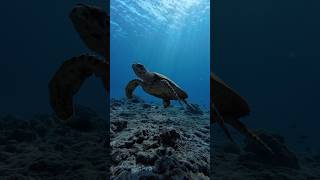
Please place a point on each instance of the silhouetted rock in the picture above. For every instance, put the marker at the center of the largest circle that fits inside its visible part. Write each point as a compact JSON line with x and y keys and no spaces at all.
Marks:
{"x":169,"y":137}
{"x":281,"y":156}
{"x":43,"y":147}
{"x":158,"y":142}
{"x":146,"y":158}
{"x":86,"y":119}
{"x":231,"y":148}
{"x":118,"y":125}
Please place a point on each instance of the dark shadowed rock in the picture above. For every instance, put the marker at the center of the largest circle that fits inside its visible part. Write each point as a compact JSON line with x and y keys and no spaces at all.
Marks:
{"x":136,"y":99}
{"x":43,"y":166}
{"x":146,"y":158}
{"x":166,"y":164}
{"x":231,"y":148}
{"x":169,"y":137}
{"x":86,"y":120}
{"x":119,"y":125}
{"x":281,"y":156}
{"x":119,"y":156}
{"x":126,"y":144}
{"x":21,"y":135}
{"x":146,"y":106}
{"x":159,"y":143}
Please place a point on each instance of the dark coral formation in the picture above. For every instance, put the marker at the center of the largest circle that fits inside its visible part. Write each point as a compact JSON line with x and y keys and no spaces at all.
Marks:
{"x":281,"y":155}
{"x":45,"y":148}
{"x":158,"y":143}
{"x":252,"y":161}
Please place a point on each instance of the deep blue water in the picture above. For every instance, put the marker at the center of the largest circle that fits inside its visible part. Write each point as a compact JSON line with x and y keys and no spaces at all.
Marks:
{"x":36,"y":38}
{"x":269,"y":52}
{"x":169,"y":37}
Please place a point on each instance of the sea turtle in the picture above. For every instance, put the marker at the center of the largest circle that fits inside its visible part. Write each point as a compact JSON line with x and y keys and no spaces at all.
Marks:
{"x":157,"y":85}
{"x":228,"y":106}
{"x":92,"y":24}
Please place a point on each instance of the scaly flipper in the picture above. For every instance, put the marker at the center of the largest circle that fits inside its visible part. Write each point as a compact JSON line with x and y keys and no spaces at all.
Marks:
{"x":166,"y":84}
{"x":131,"y":86}
{"x":247,"y":132}
{"x":221,"y":123}
{"x":68,"y":80}
{"x":189,"y":106}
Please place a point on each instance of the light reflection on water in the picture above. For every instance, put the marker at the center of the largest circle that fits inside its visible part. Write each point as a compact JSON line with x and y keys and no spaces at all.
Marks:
{"x":150,"y":16}
{"x":171,"y":37}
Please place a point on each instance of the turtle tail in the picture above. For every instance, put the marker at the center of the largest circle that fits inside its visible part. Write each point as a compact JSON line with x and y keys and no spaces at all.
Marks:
{"x":249,"y":133}
{"x":190,"y":107}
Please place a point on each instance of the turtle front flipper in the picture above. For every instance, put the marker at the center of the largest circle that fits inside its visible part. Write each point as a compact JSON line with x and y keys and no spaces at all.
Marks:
{"x":67,"y":81}
{"x":242,"y":128}
{"x":131,"y":86}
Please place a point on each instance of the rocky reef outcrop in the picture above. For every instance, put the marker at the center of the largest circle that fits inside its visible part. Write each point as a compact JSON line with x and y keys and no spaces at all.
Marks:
{"x":158,"y":143}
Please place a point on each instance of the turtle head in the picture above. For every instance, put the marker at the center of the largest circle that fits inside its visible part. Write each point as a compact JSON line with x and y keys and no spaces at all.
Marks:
{"x":92,"y":23}
{"x":140,"y":70}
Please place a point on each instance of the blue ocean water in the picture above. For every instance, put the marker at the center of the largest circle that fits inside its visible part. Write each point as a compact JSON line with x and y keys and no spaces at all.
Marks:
{"x":171,"y":37}
{"x":37,"y":37}
{"x":269,"y":52}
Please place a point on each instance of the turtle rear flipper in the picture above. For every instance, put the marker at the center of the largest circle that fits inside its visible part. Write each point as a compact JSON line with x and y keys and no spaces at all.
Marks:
{"x":131,"y":86}
{"x":166,"y":84}
{"x":222,"y":124}
{"x":166,"y":103}
{"x":242,"y":128}
{"x":68,"y":80}
{"x":192,"y":108}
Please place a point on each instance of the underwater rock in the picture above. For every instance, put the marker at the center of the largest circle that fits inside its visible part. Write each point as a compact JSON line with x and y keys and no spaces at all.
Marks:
{"x":166,"y":164}
{"x":169,"y":137}
{"x":85,"y":112}
{"x":170,"y":167}
{"x":86,"y":119}
{"x":43,"y":166}
{"x":146,"y":158}
{"x":42,"y":147}
{"x":231,"y":148}
{"x":127,"y":115}
{"x":119,"y":156}
{"x":155,"y":137}
{"x":127,"y":144}
{"x":118,"y":125}
{"x":11,"y":121}
{"x":21,"y":135}
{"x":116,"y":103}
{"x":281,"y":156}
{"x":136,"y":99}
{"x":140,"y":136}
{"x":146,"y":106}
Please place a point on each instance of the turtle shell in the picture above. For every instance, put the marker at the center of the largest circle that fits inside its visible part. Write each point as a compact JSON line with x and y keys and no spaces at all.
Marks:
{"x":226,"y":100}
{"x":92,"y":24}
{"x":158,"y":89}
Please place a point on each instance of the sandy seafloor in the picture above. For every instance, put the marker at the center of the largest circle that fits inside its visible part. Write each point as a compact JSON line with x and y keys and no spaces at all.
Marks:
{"x":152,"y":142}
